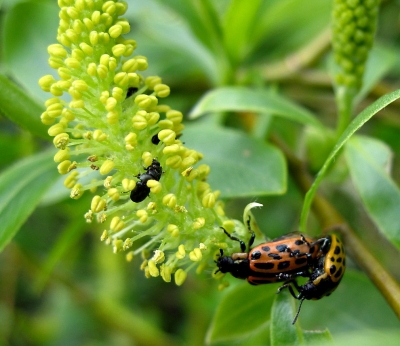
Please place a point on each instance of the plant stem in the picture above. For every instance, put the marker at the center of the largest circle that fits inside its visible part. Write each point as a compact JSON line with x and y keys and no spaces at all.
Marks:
{"x":344,"y":100}
{"x":329,"y":217}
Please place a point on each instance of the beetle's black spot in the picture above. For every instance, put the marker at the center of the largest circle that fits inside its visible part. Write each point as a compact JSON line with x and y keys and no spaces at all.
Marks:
{"x":332,"y":269}
{"x":255,"y":255}
{"x":339,"y":273}
{"x":339,"y":260}
{"x":275,"y":256}
{"x":332,"y":259}
{"x":337,"y":250}
{"x":266,"y":248}
{"x":300,"y":260}
{"x":284,"y":265}
{"x":294,"y":253}
{"x":299,"y":242}
{"x":267,"y":265}
{"x":282,"y":248}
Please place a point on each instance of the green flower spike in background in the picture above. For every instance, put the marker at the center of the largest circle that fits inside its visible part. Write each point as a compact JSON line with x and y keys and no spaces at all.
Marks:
{"x":353,"y":31}
{"x":109,"y":129}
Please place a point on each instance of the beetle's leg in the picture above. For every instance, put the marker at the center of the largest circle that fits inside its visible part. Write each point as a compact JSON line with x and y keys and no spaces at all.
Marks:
{"x":241,"y":242}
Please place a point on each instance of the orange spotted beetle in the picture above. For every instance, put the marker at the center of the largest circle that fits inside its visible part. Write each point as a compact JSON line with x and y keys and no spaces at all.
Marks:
{"x":280,"y":259}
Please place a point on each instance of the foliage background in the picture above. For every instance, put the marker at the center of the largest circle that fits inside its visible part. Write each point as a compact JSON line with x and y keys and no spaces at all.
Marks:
{"x":60,"y":285}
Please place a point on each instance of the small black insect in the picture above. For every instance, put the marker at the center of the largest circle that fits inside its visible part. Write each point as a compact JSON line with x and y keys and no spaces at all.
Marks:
{"x":141,"y":190}
{"x":131,"y":91}
{"x":155,"y":140}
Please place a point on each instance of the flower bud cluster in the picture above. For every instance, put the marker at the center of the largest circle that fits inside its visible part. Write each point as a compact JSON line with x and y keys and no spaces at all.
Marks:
{"x":109,"y":126}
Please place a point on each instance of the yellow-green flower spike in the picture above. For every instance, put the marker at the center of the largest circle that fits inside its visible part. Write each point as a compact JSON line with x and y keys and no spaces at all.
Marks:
{"x":114,"y":133}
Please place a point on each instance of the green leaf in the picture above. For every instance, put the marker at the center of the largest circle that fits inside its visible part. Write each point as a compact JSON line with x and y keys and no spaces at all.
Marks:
{"x":350,"y":308}
{"x":318,"y":337}
{"x":241,"y":166}
{"x":171,"y":37}
{"x":282,"y":330}
{"x":359,"y":121}
{"x":241,"y":99}
{"x":243,"y":310}
{"x":16,"y":105}
{"x":21,"y":188}
{"x":368,"y":160}
{"x":380,"y":61}
{"x":201,"y":17}
{"x":238,"y":24}
{"x":29,"y":27}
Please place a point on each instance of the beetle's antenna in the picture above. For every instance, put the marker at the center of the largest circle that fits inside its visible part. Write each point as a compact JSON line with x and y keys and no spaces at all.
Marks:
{"x":298,"y":311}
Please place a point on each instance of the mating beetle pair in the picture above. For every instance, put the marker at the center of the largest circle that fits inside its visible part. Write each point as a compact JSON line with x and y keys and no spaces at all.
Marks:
{"x":141,"y":190}
{"x":285,"y":258}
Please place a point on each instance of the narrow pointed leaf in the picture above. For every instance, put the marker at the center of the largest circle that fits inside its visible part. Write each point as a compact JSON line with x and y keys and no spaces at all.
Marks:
{"x":16,"y":105}
{"x":358,"y":122}
{"x":241,"y":99}
{"x":21,"y":188}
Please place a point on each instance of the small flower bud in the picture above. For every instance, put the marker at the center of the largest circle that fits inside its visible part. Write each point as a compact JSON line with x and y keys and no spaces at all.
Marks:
{"x":180,"y":277}
{"x":167,"y":136}
{"x":169,"y":200}
{"x":153,"y":270}
{"x":116,"y":224}
{"x":147,"y":158}
{"x":199,"y":223}
{"x":117,"y":245}
{"x":152,"y":81}
{"x":71,"y":180}
{"x":174,"y":161}
{"x":208,"y":200}
{"x":98,"y":204}
{"x":56,"y":129}
{"x":128,"y":184}
{"x":127,"y":244}
{"x":142,"y":215}
{"x":63,"y":167}
{"x":181,"y":253}
{"x":165,"y":272}
{"x":77,"y":191}
{"x":104,"y":235}
{"x":61,"y":140}
{"x":139,"y":122}
{"x":158,"y":257}
{"x":107,"y":167}
{"x":173,"y":229}
{"x":195,"y":255}
{"x":129,"y":256}
{"x":62,"y":155}
{"x":162,"y":90}
{"x":113,"y":193}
